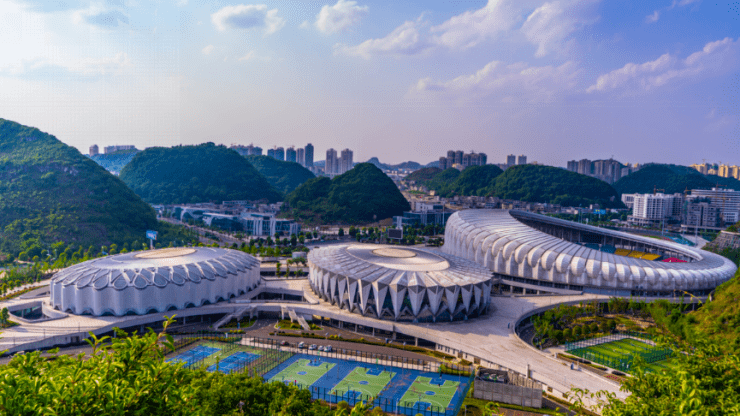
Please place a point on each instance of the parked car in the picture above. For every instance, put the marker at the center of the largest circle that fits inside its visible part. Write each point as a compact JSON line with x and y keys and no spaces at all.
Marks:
{"x":301,"y":345}
{"x":327,"y":348}
{"x":312,"y":347}
{"x":284,"y":343}
{"x":321,"y":348}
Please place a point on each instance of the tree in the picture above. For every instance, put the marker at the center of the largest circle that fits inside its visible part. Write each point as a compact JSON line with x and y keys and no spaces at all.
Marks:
{"x":341,"y":232}
{"x":277,"y":268}
{"x":4,"y":316}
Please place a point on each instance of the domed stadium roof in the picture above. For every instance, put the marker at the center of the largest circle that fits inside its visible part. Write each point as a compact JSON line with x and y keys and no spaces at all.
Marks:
{"x":399,"y":283}
{"x":176,"y":277}
{"x":524,"y":245}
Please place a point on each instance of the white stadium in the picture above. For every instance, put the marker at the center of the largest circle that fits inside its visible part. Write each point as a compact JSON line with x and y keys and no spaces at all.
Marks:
{"x":409,"y":284}
{"x":531,"y":252}
{"x":154,"y":281}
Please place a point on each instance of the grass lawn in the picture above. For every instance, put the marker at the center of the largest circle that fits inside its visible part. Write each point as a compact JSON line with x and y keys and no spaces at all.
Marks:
{"x":366,"y":384}
{"x":621,"y":350}
{"x":421,"y":390}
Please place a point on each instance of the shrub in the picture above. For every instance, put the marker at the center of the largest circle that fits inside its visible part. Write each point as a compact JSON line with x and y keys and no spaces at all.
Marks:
{"x":577,"y":331}
{"x":568,"y":334}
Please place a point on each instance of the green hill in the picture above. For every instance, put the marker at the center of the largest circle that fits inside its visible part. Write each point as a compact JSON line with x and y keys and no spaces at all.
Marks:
{"x":361,"y":195}
{"x":671,"y":179}
{"x":548,"y":184}
{"x":443,"y":180}
{"x":190,"y":174}
{"x":114,"y":162}
{"x":283,"y":176}
{"x":422,"y":175}
{"x":474,"y":180}
{"x":50,"y":192}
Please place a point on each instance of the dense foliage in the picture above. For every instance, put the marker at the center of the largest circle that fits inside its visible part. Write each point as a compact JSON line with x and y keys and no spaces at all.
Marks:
{"x":537,"y":183}
{"x":114,"y":162}
{"x":190,"y":174}
{"x":443,"y":179}
{"x":283,"y":176}
{"x":474,"y":180}
{"x":423,"y":175}
{"x":670,"y":179}
{"x":49,"y":192}
{"x":130,"y":376}
{"x":363,"y":194}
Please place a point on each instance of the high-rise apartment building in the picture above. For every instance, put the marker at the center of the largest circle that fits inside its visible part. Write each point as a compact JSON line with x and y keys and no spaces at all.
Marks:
{"x":117,"y":148}
{"x":300,"y":156}
{"x":346,"y":162}
{"x":511,"y":160}
{"x":451,"y":154}
{"x":727,"y":202}
{"x":250,"y":150}
{"x":443,"y":163}
{"x":94,"y":150}
{"x":522,"y":160}
{"x":290,"y":154}
{"x":279,"y":153}
{"x":271,"y":153}
{"x":653,"y":209}
{"x":309,"y":156}
{"x":459,"y":157}
{"x":332,"y":163}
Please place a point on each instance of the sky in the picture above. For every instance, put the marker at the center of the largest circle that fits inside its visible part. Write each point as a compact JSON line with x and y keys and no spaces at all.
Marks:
{"x":640,"y":81}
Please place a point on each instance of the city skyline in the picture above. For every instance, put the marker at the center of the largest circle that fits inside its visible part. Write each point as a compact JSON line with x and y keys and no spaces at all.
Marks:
{"x":578,"y":79}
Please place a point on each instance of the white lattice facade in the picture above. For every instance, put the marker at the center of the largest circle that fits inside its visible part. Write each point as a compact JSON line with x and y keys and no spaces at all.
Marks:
{"x":154,"y":281}
{"x":514,"y":244}
{"x":406,"y":284}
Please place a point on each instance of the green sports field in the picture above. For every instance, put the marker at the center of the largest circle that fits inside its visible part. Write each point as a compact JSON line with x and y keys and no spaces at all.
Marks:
{"x":225,"y":351}
{"x":302,"y":373}
{"x":367,"y":384}
{"x":440,"y":396}
{"x":620,"y":351}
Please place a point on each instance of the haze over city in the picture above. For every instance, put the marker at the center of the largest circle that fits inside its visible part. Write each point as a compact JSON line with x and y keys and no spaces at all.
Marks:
{"x":639,"y":81}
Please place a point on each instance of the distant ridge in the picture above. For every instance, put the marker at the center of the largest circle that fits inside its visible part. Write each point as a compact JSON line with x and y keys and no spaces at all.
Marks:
{"x":284,"y":176}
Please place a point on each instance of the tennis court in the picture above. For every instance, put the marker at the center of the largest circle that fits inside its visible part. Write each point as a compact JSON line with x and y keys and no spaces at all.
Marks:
{"x":194,"y":355}
{"x":425,"y":391}
{"x":234,"y":362}
{"x":303,"y":371}
{"x":368,"y":382}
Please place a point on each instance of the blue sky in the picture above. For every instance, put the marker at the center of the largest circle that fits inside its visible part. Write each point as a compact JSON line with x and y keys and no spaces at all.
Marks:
{"x":555,"y":80}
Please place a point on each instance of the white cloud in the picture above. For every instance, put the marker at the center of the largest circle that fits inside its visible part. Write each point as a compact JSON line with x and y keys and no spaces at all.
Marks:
{"x":339,"y":17}
{"x":715,"y":56}
{"x":550,"y":25}
{"x":182,"y":3}
{"x":101,"y":15}
{"x":207,"y":50}
{"x":305,"y":25}
{"x":87,"y":67}
{"x":652,"y":18}
{"x":505,"y":83}
{"x":248,"y":16}
{"x":472,"y":27}
{"x":252,"y":56}
{"x":404,"y":40}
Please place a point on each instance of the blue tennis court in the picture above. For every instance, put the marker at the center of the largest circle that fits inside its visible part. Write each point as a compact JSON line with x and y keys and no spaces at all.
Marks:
{"x":234,"y":362}
{"x":194,"y":355}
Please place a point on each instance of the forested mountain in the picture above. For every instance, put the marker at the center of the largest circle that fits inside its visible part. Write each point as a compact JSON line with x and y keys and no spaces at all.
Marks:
{"x":422,"y":175}
{"x":670,"y":179}
{"x":114,"y":162}
{"x":283,"y":176}
{"x":361,"y":195}
{"x":537,"y":183}
{"x":50,"y":192}
{"x":189,"y":174}
{"x":531,"y":183}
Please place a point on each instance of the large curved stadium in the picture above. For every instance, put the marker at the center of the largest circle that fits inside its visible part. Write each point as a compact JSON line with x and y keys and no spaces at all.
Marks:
{"x":408,"y":284}
{"x":154,"y":281}
{"x":533,"y":251}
